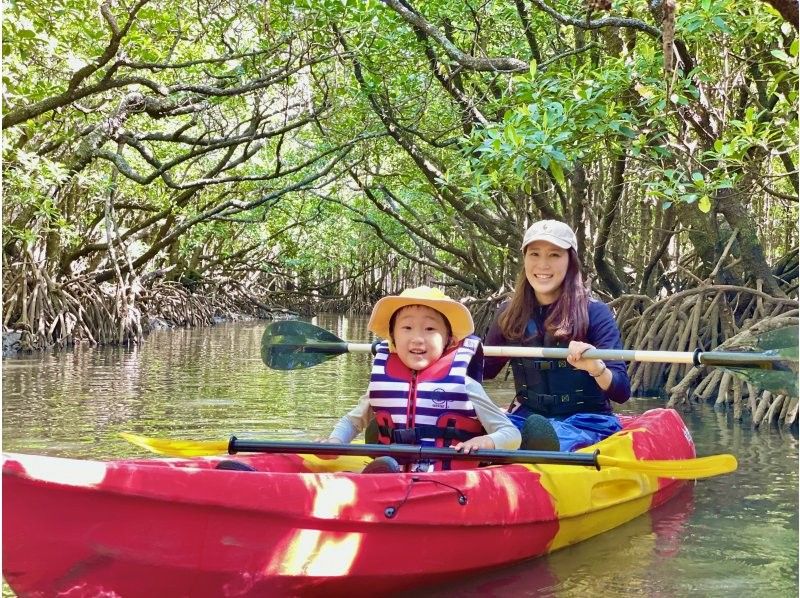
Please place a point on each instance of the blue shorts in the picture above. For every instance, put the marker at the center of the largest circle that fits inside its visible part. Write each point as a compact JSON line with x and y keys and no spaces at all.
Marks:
{"x":578,"y":430}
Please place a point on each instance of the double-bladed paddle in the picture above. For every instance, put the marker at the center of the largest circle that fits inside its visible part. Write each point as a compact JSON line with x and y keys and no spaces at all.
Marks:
{"x":294,"y":344}
{"x":684,"y":469}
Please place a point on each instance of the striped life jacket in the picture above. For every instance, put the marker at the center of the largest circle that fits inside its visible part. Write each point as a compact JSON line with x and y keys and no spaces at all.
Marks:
{"x":430,"y":407}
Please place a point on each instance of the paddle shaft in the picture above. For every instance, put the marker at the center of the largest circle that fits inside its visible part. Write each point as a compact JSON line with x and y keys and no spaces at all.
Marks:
{"x":409,"y":453}
{"x":685,"y":469}
{"x":697,"y":358}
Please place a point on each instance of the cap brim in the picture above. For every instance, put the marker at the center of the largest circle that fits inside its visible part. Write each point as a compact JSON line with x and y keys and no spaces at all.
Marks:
{"x":549,"y":238}
{"x":457,"y":315}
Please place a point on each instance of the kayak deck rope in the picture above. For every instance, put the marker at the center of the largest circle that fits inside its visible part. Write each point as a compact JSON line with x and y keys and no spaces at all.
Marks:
{"x":391,"y":511}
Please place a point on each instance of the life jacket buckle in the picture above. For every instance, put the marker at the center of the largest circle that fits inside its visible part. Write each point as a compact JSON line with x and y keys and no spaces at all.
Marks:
{"x":404,"y":436}
{"x":548,"y":364}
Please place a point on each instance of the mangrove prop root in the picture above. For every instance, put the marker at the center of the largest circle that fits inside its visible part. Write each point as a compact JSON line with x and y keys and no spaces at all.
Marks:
{"x":48,"y":312}
{"x":709,"y":317}
{"x":791,"y":413}
{"x":762,"y":407}
{"x":774,"y":410}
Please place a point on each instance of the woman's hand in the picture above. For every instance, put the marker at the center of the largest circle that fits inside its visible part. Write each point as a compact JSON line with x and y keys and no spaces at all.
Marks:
{"x":576,"y":359}
{"x":473,"y":444}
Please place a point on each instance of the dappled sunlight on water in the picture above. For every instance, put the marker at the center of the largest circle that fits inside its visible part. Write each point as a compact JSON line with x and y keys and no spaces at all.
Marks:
{"x":737,"y":534}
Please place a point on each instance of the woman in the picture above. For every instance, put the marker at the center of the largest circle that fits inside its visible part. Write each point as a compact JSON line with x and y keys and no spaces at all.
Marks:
{"x":552,"y":308}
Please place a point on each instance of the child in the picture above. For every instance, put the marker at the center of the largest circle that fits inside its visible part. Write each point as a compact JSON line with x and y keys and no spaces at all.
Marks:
{"x":425,"y":385}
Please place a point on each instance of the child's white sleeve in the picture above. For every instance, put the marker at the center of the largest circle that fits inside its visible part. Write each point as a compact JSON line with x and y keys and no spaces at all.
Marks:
{"x":499,"y":428}
{"x":350,"y":425}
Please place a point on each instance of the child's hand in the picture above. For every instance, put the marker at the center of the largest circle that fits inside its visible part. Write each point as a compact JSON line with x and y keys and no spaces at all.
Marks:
{"x":473,"y":444}
{"x":330,"y":440}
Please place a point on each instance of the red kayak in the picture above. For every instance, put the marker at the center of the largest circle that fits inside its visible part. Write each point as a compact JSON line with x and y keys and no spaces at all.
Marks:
{"x":305,"y":525}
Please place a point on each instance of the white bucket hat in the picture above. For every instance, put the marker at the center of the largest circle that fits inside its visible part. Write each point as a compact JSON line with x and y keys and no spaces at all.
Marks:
{"x":552,"y":231}
{"x":457,"y":314}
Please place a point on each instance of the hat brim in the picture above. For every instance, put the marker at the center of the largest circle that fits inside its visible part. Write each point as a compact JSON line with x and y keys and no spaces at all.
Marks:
{"x":457,"y":314}
{"x":550,"y":239}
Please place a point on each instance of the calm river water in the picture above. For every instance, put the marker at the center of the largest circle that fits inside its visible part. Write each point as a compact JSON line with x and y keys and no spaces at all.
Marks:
{"x":730,"y":535}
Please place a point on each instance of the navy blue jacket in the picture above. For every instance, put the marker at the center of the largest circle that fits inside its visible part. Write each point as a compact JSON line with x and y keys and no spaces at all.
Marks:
{"x":602,"y":333}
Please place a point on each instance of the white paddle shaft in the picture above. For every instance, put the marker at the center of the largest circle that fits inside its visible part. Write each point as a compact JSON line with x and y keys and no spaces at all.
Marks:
{"x":696,"y":358}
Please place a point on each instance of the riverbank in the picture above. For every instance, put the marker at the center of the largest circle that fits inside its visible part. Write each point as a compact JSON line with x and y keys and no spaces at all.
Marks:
{"x":107,"y":315}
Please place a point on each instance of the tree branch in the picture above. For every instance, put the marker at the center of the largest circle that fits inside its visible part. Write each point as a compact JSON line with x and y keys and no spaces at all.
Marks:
{"x":506,"y":64}
{"x":599,"y":23}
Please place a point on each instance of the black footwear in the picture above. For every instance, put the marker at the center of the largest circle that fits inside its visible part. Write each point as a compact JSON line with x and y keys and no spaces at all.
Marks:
{"x":383,"y":465}
{"x":371,"y":432}
{"x":234,"y":466}
{"x":538,"y":434}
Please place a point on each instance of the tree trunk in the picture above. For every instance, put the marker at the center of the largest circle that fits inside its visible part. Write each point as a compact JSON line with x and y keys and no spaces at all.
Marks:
{"x":752,"y":253}
{"x":703,"y":235}
{"x":788,"y":9}
{"x":579,"y":188}
{"x":604,"y":271}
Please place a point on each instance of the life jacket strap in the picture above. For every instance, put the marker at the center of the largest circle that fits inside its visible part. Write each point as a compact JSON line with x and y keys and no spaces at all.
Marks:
{"x":563,"y":404}
{"x":415,"y":434}
{"x":546,"y":364}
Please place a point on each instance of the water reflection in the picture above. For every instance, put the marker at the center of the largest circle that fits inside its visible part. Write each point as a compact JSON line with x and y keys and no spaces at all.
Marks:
{"x":737,"y":534}
{"x":182,"y":383}
{"x":639,"y":547}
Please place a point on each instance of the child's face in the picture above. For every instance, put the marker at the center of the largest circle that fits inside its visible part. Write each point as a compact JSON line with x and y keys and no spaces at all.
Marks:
{"x":419,"y":336}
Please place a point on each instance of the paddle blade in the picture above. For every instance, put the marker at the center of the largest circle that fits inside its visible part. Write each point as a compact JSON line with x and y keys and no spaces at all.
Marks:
{"x":294,"y":345}
{"x":178,"y":448}
{"x":778,"y":382}
{"x":783,"y":379}
{"x":681,"y":469}
{"x":783,"y":340}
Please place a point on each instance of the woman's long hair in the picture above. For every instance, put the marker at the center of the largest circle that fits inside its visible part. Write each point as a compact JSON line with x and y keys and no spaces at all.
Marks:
{"x":568,"y":317}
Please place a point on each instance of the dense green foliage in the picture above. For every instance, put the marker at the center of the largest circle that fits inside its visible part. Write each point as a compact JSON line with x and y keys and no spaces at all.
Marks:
{"x":353,"y":146}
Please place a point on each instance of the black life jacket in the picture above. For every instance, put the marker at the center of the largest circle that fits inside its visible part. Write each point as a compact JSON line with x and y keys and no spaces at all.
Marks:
{"x":552,"y":387}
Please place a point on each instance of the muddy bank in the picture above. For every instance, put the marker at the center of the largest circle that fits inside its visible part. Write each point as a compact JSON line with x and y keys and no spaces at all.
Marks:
{"x":99,"y":315}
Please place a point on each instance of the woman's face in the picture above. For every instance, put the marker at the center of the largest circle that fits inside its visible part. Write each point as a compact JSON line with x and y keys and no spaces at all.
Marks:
{"x":545,"y":268}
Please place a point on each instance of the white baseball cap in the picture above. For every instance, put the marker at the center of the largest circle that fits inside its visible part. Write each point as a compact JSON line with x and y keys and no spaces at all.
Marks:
{"x":552,"y":231}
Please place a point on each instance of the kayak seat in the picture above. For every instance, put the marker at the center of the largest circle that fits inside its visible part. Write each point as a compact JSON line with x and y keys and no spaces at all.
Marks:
{"x":232,"y":465}
{"x":383,"y":465}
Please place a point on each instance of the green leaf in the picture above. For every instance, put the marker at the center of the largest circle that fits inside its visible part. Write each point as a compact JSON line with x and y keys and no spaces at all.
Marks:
{"x":719,"y":22}
{"x":513,"y":136}
{"x":725,"y":184}
{"x":558,"y":173}
{"x":704,"y":205}
{"x":781,"y":55}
